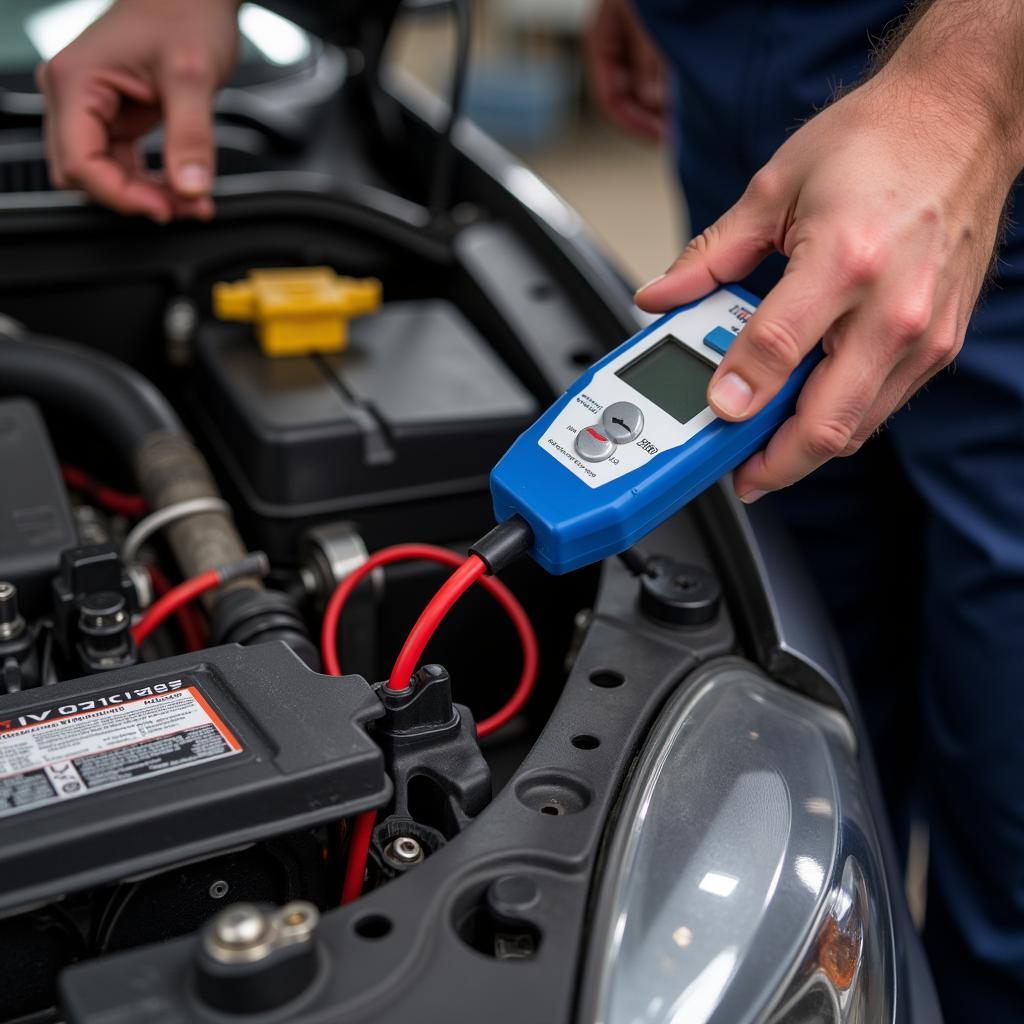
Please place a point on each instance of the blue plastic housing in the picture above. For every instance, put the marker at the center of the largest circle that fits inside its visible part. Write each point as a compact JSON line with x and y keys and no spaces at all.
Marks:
{"x":574,"y":525}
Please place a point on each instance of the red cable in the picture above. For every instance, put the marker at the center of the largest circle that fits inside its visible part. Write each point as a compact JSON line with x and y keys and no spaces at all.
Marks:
{"x":175,"y":598}
{"x":431,"y":617}
{"x":358,"y":853}
{"x":255,"y":564}
{"x":468,"y":571}
{"x":193,"y":633}
{"x":133,"y":506}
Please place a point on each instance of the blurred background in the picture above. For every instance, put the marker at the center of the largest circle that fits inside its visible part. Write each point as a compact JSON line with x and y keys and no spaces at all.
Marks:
{"x":528,"y":89}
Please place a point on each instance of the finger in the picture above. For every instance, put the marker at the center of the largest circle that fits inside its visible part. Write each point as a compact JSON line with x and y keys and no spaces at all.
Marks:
{"x":651,"y":79}
{"x":728,"y":250}
{"x":632,"y":115}
{"x":88,"y":163}
{"x":81,"y":117}
{"x":193,"y":207}
{"x":188,"y":88}
{"x":604,"y":53}
{"x":613,"y":89}
{"x":829,"y":413}
{"x":935,"y":353}
{"x":50,"y":101}
{"x":787,"y":324}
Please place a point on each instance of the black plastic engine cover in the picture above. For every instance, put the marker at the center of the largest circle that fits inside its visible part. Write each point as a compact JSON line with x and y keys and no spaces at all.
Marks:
{"x":35,"y":517}
{"x":116,"y":774}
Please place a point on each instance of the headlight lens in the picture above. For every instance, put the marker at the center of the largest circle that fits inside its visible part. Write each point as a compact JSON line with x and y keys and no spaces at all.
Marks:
{"x":741,"y":882}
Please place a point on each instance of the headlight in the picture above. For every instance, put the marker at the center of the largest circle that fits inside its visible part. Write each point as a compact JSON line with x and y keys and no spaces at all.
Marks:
{"x":743,"y":880}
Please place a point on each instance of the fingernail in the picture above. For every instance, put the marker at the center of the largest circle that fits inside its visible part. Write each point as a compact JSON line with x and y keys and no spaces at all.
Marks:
{"x":751,"y":496}
{"x":193,"y":178}
{"x":731,"y":394}
{"x":653,"y":280}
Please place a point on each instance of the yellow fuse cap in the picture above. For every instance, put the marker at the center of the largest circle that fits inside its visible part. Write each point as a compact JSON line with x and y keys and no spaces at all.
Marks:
{"x":297,"y":311}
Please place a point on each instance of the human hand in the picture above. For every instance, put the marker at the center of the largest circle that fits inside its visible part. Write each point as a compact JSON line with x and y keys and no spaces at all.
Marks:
{"x":142,"y":62}
{"x":627,"y":72}
{"x":888,"y":205}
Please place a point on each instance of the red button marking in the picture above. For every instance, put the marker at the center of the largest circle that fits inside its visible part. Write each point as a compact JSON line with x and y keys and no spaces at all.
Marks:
{"x":593,"y":433}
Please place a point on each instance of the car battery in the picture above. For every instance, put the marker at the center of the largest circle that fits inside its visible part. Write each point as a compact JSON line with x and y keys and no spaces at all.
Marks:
{"x":417,"y":407}
{"x":130,"y":771}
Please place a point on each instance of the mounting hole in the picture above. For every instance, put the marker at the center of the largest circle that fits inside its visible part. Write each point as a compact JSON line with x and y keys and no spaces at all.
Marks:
{"x":373,"y":926}
{"x":581,"y":358}
{"x":584,"y":741}
{"x":507,"y":935}
{"x":541,"y":290}
{"x":554,"y":794}
{"x":607,"y":677}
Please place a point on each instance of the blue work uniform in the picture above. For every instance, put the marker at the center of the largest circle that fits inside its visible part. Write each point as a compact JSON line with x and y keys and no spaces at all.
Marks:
{"x":917,"y":542}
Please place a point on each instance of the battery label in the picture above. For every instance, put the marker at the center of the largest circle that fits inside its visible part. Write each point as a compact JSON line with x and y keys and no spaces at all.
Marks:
{"x":71,"y":750}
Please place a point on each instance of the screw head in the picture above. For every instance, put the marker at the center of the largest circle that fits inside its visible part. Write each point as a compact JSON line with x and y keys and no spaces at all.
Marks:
{"x":403,"y":851}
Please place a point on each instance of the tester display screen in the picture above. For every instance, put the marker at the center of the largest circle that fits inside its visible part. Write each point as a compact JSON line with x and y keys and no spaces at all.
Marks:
{"x":672,"y":376}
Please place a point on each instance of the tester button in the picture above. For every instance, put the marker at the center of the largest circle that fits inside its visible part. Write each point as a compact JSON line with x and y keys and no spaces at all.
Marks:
{"x":592,"y":445}
{"x":719,"y":339}
{"x":622,"y":422}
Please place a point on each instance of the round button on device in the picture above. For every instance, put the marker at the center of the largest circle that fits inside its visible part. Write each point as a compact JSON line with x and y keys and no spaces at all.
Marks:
{"x":592,"y":445}
{"x":622,"y":422}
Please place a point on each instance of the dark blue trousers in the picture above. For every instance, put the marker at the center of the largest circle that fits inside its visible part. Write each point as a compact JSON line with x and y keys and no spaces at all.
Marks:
{"x":917,"y":542}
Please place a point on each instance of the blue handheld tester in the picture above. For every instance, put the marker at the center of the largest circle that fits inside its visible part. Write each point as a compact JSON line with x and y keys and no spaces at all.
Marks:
{"x":633,"y":440}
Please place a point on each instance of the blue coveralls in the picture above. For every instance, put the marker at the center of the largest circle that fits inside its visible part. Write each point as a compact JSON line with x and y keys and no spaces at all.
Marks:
{"x":917,"y":542}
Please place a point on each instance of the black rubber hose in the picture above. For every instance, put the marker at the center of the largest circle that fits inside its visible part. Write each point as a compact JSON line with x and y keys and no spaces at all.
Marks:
{"x":95,"y":387}
{"x":140,"y":423}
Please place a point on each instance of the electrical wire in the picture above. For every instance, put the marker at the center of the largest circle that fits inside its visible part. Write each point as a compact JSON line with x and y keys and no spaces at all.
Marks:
{"x":358,"y":854}
{"x":175,"y":598}
{"x":253,"y":564}
{"x":443,"y":175}
{"x":472,"y":569}
{"x":466,"y":573}
{"x":132,"y":506}
{"x":156,"y":521}
{"x":190,"y":623}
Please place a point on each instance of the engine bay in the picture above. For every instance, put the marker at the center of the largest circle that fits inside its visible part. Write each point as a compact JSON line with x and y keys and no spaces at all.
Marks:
{"x":163,"y":757}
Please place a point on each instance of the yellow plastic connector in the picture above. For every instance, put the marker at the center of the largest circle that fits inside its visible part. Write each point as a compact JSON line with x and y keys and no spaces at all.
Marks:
{"x":297,"y":311}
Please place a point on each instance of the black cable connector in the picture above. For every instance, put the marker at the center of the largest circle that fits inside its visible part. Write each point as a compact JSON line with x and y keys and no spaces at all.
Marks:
{"x":503,"y":545}
{"x":635,"y":561}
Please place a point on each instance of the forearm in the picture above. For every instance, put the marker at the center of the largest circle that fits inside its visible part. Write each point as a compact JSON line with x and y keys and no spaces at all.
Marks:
{"x":965,"y":57}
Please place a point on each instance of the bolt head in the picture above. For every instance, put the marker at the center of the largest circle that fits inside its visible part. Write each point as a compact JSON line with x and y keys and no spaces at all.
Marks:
{"x":404,"y":850}
{"x":240,"y":926}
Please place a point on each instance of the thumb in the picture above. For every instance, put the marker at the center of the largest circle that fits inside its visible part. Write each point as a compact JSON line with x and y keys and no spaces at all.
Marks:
{"x":728,"y":250}
{"x":188,"y":93}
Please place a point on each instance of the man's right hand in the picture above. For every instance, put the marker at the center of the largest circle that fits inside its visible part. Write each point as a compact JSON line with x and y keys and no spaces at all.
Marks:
{"x":143,"y":62}
{"x":627,"y":72}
